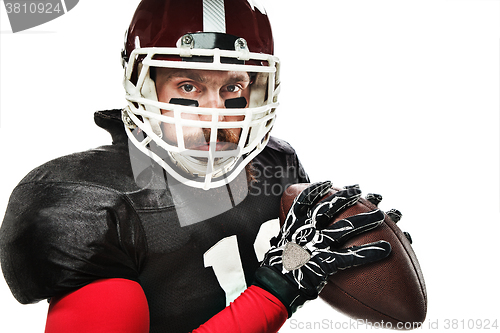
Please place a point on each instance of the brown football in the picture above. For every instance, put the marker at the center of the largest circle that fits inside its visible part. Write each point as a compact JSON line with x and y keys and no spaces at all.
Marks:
{"x":390,"y":292}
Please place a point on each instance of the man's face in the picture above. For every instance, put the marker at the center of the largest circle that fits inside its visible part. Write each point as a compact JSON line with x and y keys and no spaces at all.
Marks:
{"x":210,"y":89}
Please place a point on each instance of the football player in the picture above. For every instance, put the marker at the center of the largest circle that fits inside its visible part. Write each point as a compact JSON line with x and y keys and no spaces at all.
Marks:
{"x":174,"y":226}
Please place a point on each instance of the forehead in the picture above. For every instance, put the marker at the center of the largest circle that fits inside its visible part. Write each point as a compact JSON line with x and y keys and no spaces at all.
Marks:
{"x":203,"y":76}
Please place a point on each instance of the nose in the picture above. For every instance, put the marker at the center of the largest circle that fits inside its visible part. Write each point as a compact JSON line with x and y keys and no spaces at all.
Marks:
{"x":211,"y":99}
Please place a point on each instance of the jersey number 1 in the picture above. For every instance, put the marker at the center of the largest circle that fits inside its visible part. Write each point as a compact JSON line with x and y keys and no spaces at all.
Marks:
{"x":224,"y":258}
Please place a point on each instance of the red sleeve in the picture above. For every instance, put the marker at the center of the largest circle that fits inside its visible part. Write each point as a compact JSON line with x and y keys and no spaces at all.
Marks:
{"x":119,"y":305}
{"x":255,"y":310}
{"x":101,"y":306}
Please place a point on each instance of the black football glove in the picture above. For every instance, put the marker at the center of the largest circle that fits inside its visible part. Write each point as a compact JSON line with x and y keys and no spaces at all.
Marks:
{"x":307,"y":251}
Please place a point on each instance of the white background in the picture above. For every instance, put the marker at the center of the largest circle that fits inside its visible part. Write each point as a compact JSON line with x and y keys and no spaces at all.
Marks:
{"x":399,"y":96}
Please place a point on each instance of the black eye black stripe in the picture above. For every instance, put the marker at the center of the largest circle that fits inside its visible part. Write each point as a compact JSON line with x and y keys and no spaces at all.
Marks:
{"x":232,"y":103}
{"x":184,"y":101}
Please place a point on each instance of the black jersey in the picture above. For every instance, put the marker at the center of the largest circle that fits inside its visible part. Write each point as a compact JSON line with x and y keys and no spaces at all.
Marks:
{"x":95,"y":214}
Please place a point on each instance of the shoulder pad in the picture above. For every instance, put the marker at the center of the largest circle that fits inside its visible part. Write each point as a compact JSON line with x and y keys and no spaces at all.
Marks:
{"x":280,"y":145}
{"x":106,"y":166}
{"x":111,"y":121}
{"x":58,"y":237}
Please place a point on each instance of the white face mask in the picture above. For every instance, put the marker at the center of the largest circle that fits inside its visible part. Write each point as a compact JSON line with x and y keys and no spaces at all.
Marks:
{"x":173,"y":125}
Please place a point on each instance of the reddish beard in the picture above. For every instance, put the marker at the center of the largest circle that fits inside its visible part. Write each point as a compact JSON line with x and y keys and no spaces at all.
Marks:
{"x":223,"y":135}
{"x":202,"y":138}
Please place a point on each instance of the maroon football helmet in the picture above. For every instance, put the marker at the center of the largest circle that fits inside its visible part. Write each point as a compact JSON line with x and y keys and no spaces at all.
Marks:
{"x":162,"y":23}
{"x":214,"y":35}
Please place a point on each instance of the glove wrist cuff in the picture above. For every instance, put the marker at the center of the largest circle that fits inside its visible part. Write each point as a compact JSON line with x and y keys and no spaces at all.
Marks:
{"x":275,"y":283}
